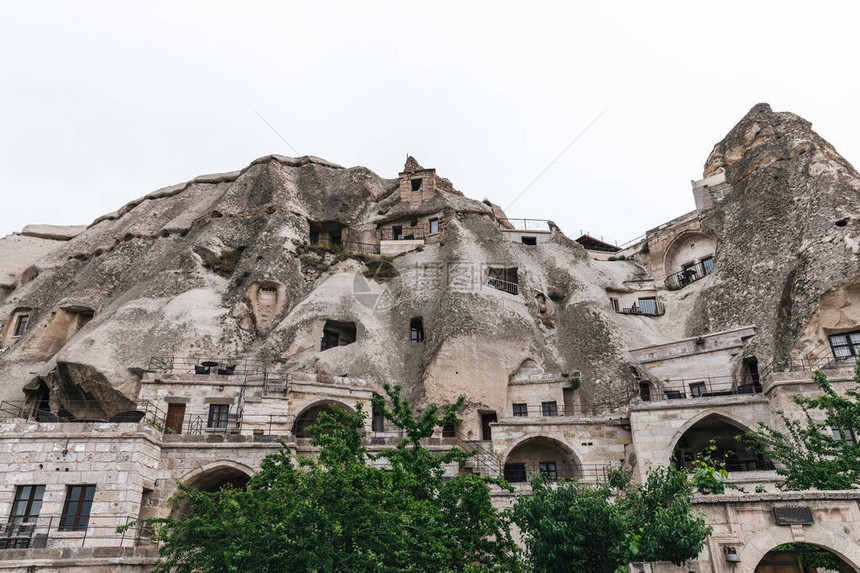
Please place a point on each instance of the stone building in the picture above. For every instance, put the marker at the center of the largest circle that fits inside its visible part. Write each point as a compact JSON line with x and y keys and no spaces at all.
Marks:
{"x":177,"y":339}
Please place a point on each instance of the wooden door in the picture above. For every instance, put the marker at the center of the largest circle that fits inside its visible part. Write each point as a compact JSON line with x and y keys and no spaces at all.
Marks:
{"x":175,"y":416}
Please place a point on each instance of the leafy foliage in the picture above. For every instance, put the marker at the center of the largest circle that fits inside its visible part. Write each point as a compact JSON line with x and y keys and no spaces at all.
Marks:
{"x":812,"y":556}
{"x":225,"y":263}
{"x":808,"y":454}
{"x":341,"y":513}
{"x":576,"y":527}
{"x":709,"y":472}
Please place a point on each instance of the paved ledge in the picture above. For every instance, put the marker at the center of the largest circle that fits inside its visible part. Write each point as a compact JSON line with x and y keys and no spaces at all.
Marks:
{"x":806,"y":495}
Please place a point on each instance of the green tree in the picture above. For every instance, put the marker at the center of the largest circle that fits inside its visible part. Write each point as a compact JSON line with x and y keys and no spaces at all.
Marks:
{"x":572,"y":526}
{"x":340,"y":513}
{"x":807,"y":452}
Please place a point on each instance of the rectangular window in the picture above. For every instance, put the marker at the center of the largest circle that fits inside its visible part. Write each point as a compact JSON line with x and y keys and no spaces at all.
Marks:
{"x":27,"y":504}
{"x":76,"y":510}
{"x":549,"y":409}
{"x":21,"y":324}
{"x":648,"y":306}
{"x":548,"y":470}
{"x":218,"y":416}
{"x":397,"y":233}
{"x":434,"y":226}
{"x":614,"y":302}
{"x":515,"y":473}
{"x":690,"y":273}
{"x":521,"y":410}
{"x":329,"y":339}
{"x":843,"y":435}
{"x":416,"y":184}
{"x":708,"y":265}
{"x":845,"y":345}
{"x":531,"y":241}
{"x":698,"y":389}
{"x":377,"y":421}
{"x":416,"y":330}
{"x":449,"y":430}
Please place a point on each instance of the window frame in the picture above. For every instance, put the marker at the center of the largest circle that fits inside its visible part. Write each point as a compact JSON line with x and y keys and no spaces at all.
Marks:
{"x":432,"y":222}
{"x":219,"y":415}
{"x":22,"y":322}
{"x":80,"y":519}
{"x":35,"y":496}
{"x":326,"y":339}
{"x":449,"y":430}
{"x":651,"y":300}
{"x":548,"y":470}
{"x":549,"y":409}
{"x":843,"y":435}
{"x":698,"y":389}
{"x":416,"y":330}
{"x":521,"y":410}
{"x":706,"y":268}
{"x":852,"y":347}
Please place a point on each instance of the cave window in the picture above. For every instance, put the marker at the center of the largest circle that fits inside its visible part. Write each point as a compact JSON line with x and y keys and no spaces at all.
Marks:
{"x":397,"y":233}
{"x":434,"y":226}
{"x":337,"y":334}
{"x":532,"y":241}
{"x":21,"y":324}
{"x":648,"y":306}
{"x":416,"y":330}
{"x":549,"y":409}
{"x":614,"y":302}
{"x":708,"y":265}
{"x":417,"y":184}
{"x":503,"y":279}
{"x":645,"y":391}
{"x":449,"y":430}
{"x":218,"y":416}
{"x":845,"y":345}
{"x":521,"y":410}
{"x":549,"y":470}
{"x":84,"y":317}
{"x":515,"y":473}
{"x":76,"y":510}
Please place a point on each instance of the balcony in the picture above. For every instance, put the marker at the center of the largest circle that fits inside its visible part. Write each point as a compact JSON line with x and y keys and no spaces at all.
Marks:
{"x":504,"y":286}
{"x":643,"y":307}
{"x":692,"y":388}
{"x":690,"y":274}
{"x":402,"y":234}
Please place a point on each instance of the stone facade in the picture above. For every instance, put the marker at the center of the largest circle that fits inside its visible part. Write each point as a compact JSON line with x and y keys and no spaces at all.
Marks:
{"x":564,"y":368}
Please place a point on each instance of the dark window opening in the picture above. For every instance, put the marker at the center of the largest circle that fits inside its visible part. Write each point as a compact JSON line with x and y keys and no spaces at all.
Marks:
{"x":449,"y":430}
{"x":843,"y":435}
{"x":416,"y":330}
{"x":175,"y":416}
{"x":503,"y":279}
{"x":218,"y":416}
{"x":529,"y":240}
{"x":549,"y":409}
{"x":21,"y":324}
{"x":377,"y":420}
{"x":752,"y":379}
{"x":434,"y":226}
{"x":416,"y":184}
{"x":645,"y":391}
{"x":397,"y":233}
{"x":548,"y":470}
{"x":845,"y":345}
{"x":487,"y":430}
{"x":614,"y":302}
{"x":698,"y":389}
{"x":413,"y":223}
{"x":337,"y":334}
{"x":515,"y":473}
{"x":27,"y":504}
{"x":76,"y":510}
{"x":708,"y":265}
{"x":521,"y":410}
{"x":690,"y":274}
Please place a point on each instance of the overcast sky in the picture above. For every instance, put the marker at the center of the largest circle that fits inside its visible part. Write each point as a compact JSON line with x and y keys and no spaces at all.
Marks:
{"x":103,"y":103}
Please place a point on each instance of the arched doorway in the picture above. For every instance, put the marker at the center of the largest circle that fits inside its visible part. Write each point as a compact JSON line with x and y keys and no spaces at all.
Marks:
{"x":802,"y":558}
{"x":541,"y":455}
{"x":212,"y":478}
{"x":309,"y":416}
{"x":723,"y":431}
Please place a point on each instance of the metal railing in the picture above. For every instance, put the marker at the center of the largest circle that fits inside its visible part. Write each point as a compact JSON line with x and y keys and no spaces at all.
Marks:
{"x":141,"y":411}
{"x":821,"y":358}
{"x":689,"y":274}
{"x":483,"y":459}
{"x":504,"y":286}
{"x":587,"y":473}
{"x":524,"y":224}
{"x":349,"y":246}
{"x":554,"y":409}
{"x":255,"y":371}
{"x":39,"y":532}
{"x":707,"y":387}
{"x":657,"y":309}
{"x":201,"y":424}
{"x":404,"y":234}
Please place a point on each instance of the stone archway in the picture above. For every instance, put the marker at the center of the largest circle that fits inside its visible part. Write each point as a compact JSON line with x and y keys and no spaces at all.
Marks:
{"x":216,"y":475}
{"x":308,"y":416}
{"x":696,"y":435}
{"x":542,"y":454}
{"x":837,"y":543}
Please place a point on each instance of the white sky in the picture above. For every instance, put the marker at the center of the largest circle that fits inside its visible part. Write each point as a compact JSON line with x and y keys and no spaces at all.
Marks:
{"x":102,"y":103}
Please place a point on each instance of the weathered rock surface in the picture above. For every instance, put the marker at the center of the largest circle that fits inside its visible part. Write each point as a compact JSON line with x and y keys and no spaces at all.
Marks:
{"x":789,"y":233}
